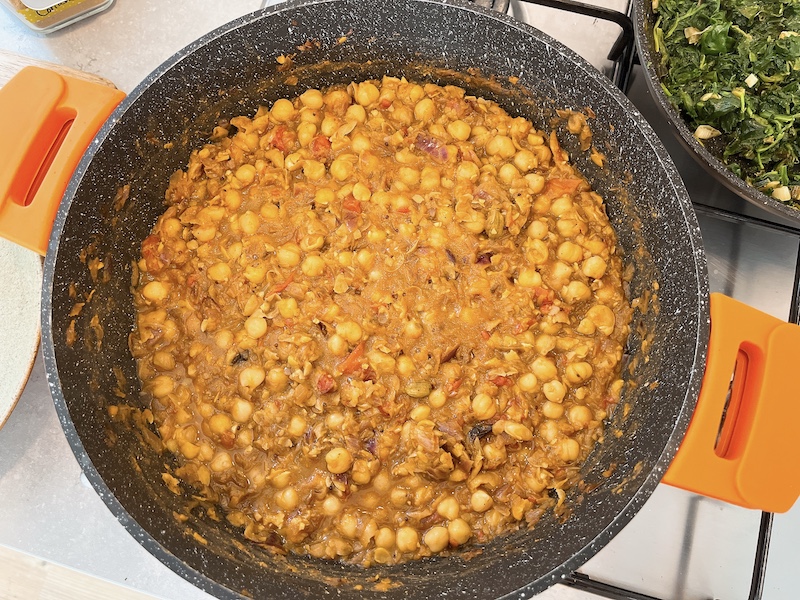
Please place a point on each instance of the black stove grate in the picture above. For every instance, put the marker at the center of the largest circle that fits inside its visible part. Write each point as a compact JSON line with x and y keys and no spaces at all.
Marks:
{"x":498,"y":5}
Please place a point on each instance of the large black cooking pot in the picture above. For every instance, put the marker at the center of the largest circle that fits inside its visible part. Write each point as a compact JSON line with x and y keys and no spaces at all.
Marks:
{"x":644,"y":18}
{"x":231,"y":71}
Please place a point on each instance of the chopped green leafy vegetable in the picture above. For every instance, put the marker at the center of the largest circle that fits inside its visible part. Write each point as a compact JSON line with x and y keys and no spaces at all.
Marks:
{"x":732,"y":67}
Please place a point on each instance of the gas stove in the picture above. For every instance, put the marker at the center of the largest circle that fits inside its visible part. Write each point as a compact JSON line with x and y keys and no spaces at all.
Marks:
{"x":678,"y":546}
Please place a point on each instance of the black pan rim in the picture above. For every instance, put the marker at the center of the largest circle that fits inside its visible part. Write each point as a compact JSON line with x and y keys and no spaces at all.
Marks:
{"x":590,"y":548}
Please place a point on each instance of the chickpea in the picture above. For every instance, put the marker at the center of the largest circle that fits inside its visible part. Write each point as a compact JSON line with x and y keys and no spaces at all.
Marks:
{"x":288,"y":255}
{"x":430,"y":179}
{"x":536,"y":182}
{"x":576,"y":291}
{"x":578,"y":373}
{"x":579,"y":415}
{"x":269,"y":212}
{"x":162,"y":386}
{"x":528,"y":382}
{"x":518,"y":431}
{"x":529,"y":278}
{"x":569,"y":449}
{"x":408,"y":175}
{"x":552,"y":410}
{"x":508,"y":174}
{"x":544,"y":344}
{"x":459,"y":130}
{"x":287,"y":499}
{"x":249,"y":222}
{"x":339,"y":460}
{"x":360,"y":143}
{"x":277,"y":379}
{"x":554,"y":390}
{"x":480,"y":501}
{"x":242,"y":410}
{"x":436,"y":538}
{"x":405,"y":366}
{"x":568,"y":227}
{"x":366,"y":93}
{"x":223,"y":339}
{"x":256,"y":326}
{"x":586,"y":327}
{"x":544,"y":368}
{"x":288,"y":308}
{"x":312,"y":99}
{"x":537,"y":230}
{"x":294,"y":161}
{"x":348,"y":525}
{"x":190,"y":450}
{"x":341,"y":168}
{"x":233,"y":199}
{"x":420,"y":413}
{"x":437,"y":398}
{"x":329,"y":126}
{"x":569,"y":252}
{"x":425,"y":110}
{"x":281,"y":479}
{"x":398,"y":497}
{"x":525,"y":160}
{"x":355,"y":114}
{"x":220,"y":423}
{"x":407,"y":539}
{"x":483,"y":406}
{"x":219,"y":272}
{"x":561,"y":206}
{"x":361,"y":473}
{"x":221,"y":462}
{"x":361,"y":192}
{"x":594,"y":267}
{"x":331,"y":506}
{"x":163,"y":361}
{"x":459,"y":531}
{"x":502,"y":146}
{"x":324,"y":196}
{"x":337,"y":345}
{"x":251,"y":377}
{"x":350,"y":331}
{"x":246,"y":174}
{"x":548,"y":431}
{"x":385,"y":538}
{"x":155,"y":291}
{"x":313,"y":170}
{"x":282,"y":110}
{"x":313,"y":266}
{"x":297,"y":426}
{"x":537,"y":252}
{"x":305,"y":133}
{"x":468,"y":170}
{"x":448,"y":508}
{"x":603,"y":318}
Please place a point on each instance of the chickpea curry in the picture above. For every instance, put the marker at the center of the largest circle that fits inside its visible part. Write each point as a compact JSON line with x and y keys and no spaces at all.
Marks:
{"x":381,"y":321}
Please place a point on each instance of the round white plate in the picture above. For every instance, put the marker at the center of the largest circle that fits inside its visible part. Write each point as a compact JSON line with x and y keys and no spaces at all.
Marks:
{"x":20,"y":288}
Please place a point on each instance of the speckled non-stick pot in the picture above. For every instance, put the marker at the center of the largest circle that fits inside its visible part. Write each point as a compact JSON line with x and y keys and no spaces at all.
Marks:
{"x":233,"y":70}
{"x":644,"y":18}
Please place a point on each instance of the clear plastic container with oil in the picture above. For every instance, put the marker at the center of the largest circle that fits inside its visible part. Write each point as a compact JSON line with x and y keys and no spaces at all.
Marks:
{"x":46,"y":16}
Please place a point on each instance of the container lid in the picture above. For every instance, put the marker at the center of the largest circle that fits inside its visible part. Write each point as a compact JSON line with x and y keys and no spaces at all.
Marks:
{"x":40,"y":4}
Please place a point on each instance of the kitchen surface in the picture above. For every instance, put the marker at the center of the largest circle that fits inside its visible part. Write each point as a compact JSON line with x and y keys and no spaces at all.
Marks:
{"x":679,"y":545}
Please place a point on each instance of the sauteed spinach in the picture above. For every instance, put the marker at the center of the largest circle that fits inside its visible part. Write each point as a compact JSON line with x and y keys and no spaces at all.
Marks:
{"x":733,"y":68}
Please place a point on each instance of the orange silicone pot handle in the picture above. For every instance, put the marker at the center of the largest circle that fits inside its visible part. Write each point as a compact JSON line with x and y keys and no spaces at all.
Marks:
{"x":47,"y":122}
{"x":750,"y":457}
